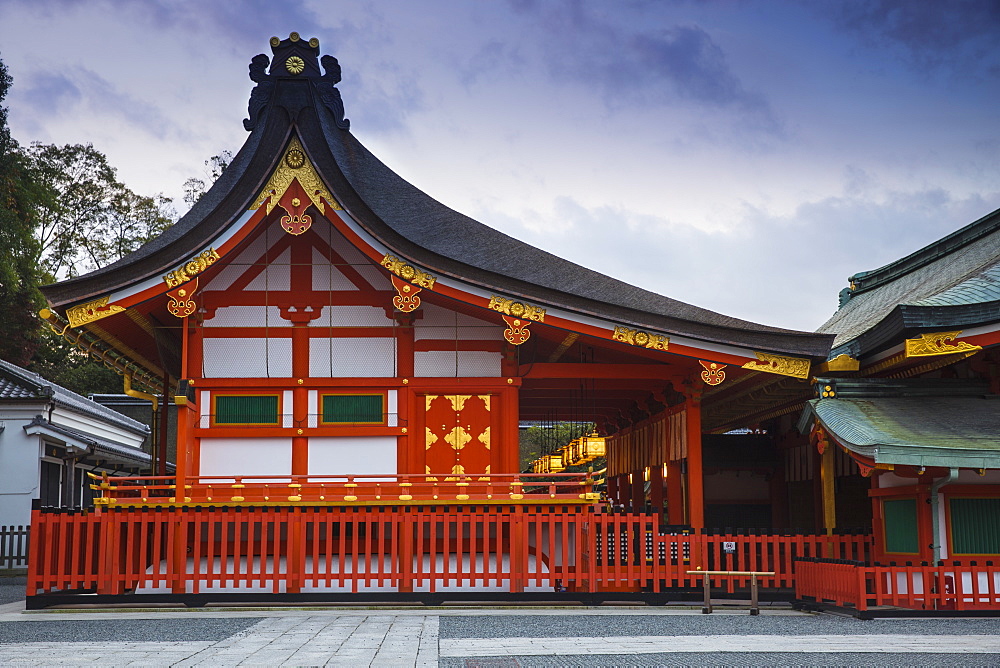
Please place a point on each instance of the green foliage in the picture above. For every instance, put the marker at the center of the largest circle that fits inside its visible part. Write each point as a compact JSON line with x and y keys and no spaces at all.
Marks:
{"x":59,"y":361}
{"x":89,"y":218}
{"x":195,"y":188}
{"x":541,"y":439}
{"x":19,"y":193}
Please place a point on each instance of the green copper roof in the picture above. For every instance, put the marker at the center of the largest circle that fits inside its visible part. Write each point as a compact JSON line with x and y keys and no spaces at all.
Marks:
{"x":984,"y":287}
{"x":921,"y":431}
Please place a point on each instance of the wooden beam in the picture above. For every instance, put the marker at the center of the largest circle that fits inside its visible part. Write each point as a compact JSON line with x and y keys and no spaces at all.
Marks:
{"x":583,"y":370}
{"x":564,"y":346}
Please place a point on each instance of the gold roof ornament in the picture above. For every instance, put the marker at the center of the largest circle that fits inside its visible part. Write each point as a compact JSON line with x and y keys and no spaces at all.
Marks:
{"x":938,"y":343}
{"x":295,"y":165}
{"x":796,"y":367}
{"x":91,"y":311}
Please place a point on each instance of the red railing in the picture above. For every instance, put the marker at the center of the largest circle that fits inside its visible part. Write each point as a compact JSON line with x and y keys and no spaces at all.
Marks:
{"x":292,"y":549}
{"x":942,"y":587}
{"x":387,"y":489}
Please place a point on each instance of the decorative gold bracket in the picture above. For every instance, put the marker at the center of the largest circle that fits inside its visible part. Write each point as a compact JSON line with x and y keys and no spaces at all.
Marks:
{"x":928,"y":345}
{"x":796,"y":367}
{"x":840,"y":363}
{"x":408,"y":272}
{"x":295,"y":166}
{"x":91,"y":311}
{"x":181,"y":303}
{"x":713,"y":373}
{"x":406,"y":300}
{"x":640,"y":338}
{"x":518,"y":310}
{"x":191,"y":268}
{"x":517,"y":330}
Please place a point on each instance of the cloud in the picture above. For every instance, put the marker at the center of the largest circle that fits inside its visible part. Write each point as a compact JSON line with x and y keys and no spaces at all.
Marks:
{"x":780,"y":270}
{"x":957,"y":35}
{"x":633,"y":63}
{"x":50,"y":92}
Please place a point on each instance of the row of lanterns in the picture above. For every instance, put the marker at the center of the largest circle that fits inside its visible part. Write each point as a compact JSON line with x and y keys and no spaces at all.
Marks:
{"x":578,"y":451}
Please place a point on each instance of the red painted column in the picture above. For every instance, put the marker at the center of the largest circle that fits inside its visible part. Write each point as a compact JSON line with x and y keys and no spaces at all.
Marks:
{"x":696,"y":476}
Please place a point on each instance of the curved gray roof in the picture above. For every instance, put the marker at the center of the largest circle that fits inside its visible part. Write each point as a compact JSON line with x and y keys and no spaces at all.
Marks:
{"x":954,"y":280}
{"x":19,"y":383}
{"x":410,"y":222}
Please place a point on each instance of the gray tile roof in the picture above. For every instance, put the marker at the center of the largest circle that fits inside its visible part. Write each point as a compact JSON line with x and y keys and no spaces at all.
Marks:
{"x":955,"y":271}
{"x":20,"y":383}
{"x":419,"y":228}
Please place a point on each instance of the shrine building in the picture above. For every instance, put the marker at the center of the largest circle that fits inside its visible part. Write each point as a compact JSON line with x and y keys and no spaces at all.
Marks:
{"x":353,"y":363}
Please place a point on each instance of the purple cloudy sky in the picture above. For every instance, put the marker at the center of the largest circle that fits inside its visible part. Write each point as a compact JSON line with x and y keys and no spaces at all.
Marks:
{"x":742,"y":156}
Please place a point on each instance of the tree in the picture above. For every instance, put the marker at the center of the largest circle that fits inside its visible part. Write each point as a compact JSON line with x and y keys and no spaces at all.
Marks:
{"x":542,"y":439}
{"x":195,"y":188}
{"x":90,"y":218}
{"x":19,"y":194}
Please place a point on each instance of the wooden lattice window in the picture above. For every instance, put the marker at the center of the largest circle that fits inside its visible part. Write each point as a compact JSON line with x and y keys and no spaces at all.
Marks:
{"x":900,"y":517}
{"x":246,"y":409}
{"x":975,"y":525}
{"x":353,"y":409}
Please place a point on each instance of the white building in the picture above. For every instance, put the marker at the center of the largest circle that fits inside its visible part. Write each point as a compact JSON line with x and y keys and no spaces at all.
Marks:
{"x":50,"y":437}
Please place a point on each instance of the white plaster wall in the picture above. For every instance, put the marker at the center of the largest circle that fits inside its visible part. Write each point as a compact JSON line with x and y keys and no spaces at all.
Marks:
{"x":19,"y":473}
{"x":451,"y":364}
{"x":248,"y":358}
{"x":246,"y":456}
{"x":352,"y":455}
{"x":350,"y":357}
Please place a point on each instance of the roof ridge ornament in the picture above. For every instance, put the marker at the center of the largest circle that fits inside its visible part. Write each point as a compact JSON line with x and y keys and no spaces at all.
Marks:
{"x":294,"y":58}
{"x":295,"y":176}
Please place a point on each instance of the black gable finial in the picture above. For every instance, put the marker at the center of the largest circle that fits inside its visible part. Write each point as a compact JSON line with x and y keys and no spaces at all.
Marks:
{"x":295,"y":58}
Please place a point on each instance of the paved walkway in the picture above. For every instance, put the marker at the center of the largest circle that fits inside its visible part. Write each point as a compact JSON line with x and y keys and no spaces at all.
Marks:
{"x":469,"y":638}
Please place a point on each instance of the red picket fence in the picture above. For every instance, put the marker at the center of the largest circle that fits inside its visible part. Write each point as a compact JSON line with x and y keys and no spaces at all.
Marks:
{"x":296,"y":549}
{"x":942,"y":587}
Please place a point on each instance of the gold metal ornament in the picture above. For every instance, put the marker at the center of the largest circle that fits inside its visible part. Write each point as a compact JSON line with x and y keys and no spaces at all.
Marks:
{"x":938,"y":343}
{"x":181,"y":304}
{"x":796,"y":367}
{"x":91,"y":311}
{"x":641,"y":339}
{"x":191,"y":268}
{"x":295,"y":65}
{"x":408,"y":272}
{"x":294,"y":36}
{"x":713,"y":373}
{"x":517,"y":330}
{"x":406,"y":299}
{"x":306,"y":175}
{"x":314,"y":43}
{"x":295,"y":158}
{"x":275,"y":41}
{"x":517,"y":309}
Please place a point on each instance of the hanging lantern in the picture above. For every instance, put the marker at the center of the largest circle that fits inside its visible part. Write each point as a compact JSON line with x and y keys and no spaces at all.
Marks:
{"x":591,"y":447}
{"x":556,"y":463}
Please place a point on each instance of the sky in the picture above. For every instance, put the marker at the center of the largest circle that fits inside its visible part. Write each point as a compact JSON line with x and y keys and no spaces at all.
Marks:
{"x":743,"y":156}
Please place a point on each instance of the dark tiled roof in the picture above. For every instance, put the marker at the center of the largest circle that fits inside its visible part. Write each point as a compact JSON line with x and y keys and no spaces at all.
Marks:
{"x":960,"y":270}
{"x":23,"y":384}
{"x":415,"y":226}
{"x":103,"y":449}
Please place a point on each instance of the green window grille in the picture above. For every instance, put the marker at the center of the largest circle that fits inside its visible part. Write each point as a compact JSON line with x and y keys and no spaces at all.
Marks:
{"x":246,"y":409}
{"x":900,"y":517}
{"x":975,"y":525}
{"x":352,"y":408}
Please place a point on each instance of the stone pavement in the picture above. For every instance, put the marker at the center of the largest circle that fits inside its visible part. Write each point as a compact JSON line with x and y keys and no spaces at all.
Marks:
{"x":480,"y":638}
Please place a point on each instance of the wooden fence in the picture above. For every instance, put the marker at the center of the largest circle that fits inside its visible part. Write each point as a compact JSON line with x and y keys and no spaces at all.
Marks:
{"x":13,"y":547}
{"x":941,"y":587}
{"x":396,"y":549}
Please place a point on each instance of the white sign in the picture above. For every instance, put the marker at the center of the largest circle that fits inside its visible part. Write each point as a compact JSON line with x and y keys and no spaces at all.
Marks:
{"x":729,"y":546}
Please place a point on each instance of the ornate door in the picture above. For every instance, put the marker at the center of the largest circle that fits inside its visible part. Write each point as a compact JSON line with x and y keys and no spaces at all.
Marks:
{"x":457,"y":434}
